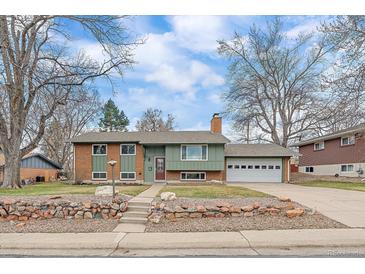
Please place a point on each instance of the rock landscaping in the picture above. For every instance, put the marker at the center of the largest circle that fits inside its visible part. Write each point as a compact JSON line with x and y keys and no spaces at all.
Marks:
{"x":183,"y":215}
{"x":56,"y":207}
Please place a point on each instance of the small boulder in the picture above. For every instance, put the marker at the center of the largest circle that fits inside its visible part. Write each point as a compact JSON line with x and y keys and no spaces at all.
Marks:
{"x":235,"y":214}
{"x":182,"y":215}
{"x":168,"y":196}
{"x":3,"y":212}
{"x":20,"y":225}
{"x":284,"y":199}
{"x":256,"y":205}
{"x":201,"y":209}
{"x":55,"y":197}
{"x":170,"y":216}
{"x":262,"y":210}
{"x":223,"y":204}
{"x":273,"y":210}
{"x":224,"y":209}
{"x":23,"y":218}
{"x":104,"y":191}
{"x":248,"y":214}
{"x":88,"y":215}
{"x":295,"y":212}
{"x":247,"y":208}
{"x":155,"y":218}
{"x":195,"y":215}
{"x":179,"y":209}
{"x":234,"y":210}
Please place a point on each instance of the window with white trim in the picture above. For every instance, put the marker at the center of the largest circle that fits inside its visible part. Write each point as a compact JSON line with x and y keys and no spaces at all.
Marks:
{"x":99,"y":175}
{"x":309,"y":169}
{"x":194,"y":152}
{"x":99,"y":149}
{"x":128,"y":149}
{"x":347,"y":168}
{"x":194,"y":176}
{"x":127,"y":175}
{"x":319,"y":146}
{"x":348,"y":140}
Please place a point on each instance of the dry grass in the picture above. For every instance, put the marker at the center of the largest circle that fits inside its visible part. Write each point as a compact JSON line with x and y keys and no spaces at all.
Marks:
{"x":213,"y":191}
{"x":63,"y":188}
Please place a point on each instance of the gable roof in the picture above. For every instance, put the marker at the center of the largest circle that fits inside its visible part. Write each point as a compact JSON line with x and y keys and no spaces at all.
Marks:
{"x":30,"y":155}
{"x":152,"y":137}
{"x":330,"y":136}
{"x":257,"y":150}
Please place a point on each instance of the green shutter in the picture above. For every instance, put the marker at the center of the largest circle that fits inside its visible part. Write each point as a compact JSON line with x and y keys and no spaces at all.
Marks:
{"x":128,"y":163}
{"x":99,"y":163}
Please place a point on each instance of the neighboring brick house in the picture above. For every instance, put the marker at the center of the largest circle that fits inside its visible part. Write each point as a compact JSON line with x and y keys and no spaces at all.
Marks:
{"x":341,"y":153}
{"x":34,"y":166}
{"x":172,"y":156}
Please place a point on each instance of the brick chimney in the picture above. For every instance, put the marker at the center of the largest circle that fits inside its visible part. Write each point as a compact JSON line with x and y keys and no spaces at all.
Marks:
{"x":216,"y":123}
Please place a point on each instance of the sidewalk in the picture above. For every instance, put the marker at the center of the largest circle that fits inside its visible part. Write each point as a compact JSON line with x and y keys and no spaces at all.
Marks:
{"x":113,"y":241}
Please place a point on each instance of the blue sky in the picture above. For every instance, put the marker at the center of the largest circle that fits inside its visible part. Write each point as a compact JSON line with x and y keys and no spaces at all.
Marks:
{"x":178,"y":69}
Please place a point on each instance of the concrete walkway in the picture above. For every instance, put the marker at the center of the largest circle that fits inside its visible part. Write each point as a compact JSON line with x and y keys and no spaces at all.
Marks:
{"x":344,"y":206}
{"x":135,"y":217}
{"x":250,"y":241}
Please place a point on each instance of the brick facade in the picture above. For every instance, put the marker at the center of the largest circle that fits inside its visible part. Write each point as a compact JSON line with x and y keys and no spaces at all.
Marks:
{"x":113,"y":154}
{"x":333,"y":153}
{"x":83,"y":162}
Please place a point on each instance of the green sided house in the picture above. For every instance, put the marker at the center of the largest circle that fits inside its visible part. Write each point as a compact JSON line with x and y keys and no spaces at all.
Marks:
{"x":177,"y":156}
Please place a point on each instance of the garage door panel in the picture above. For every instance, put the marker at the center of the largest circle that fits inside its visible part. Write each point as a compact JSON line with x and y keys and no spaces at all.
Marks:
{"x":254,"y":170}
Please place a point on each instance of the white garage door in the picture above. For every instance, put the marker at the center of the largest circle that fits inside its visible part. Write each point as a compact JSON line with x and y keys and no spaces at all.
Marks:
{"x":254,"y":170}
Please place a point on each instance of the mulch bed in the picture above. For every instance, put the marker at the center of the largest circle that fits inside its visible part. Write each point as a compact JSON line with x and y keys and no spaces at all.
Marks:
{"x":58,"y":226}
{"x":310,"y":220}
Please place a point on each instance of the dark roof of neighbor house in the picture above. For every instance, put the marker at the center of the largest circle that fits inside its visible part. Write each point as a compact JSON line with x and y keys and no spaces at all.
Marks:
{"x":257,"y":150}
{"x":156,"y":137}
{"x":334,"y":135}
{"x":30,"y":155}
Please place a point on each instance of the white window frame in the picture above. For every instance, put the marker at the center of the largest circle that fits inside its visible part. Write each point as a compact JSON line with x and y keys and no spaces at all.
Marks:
{"x":106,"y":149}
{"x":127,"y":179}
{"x":192,"y":172}
{"x":347,"y":168}
{"x":99,"y":179}
{"x":314,"y":146}
{"x":352,"y":137}
{"x":194,"y":145}
{"x":305,"y":169}
{"x":135,"y":151}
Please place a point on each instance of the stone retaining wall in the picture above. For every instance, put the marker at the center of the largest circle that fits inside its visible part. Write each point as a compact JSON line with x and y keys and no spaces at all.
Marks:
{"x":17,"y":210}
{"x":220,"y":210}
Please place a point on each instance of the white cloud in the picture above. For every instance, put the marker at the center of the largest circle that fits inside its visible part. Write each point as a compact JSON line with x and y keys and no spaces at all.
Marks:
{"x":198,"y":33}
{"x":306,"y":26}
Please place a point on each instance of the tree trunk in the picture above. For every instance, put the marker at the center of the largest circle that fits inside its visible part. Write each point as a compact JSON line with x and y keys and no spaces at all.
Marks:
{"x":12,"y":170}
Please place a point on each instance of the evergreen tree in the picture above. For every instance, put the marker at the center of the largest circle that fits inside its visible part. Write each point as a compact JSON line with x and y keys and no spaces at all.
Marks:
{"x":112,"y":119}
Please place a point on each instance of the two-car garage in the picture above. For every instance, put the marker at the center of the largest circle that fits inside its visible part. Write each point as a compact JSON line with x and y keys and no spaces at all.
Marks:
{"x":257,"y":163}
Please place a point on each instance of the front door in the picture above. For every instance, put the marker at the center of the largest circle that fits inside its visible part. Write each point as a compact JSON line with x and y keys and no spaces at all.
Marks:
{"x":159,"y":169}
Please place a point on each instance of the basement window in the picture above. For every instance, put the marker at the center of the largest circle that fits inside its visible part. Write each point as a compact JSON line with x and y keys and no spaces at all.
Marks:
{"x":127,"y":176}
{"x":347,"y":168}
{"x":309,"y":169}
{"x":193,"y":176}
{"x":99,"y":176}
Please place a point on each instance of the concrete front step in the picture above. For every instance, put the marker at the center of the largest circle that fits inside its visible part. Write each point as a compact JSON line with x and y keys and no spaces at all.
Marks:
{"x":138,"y":203}
{"x":138,"y":208}
{"x":139,"y":214}
{"x":133,"y":220}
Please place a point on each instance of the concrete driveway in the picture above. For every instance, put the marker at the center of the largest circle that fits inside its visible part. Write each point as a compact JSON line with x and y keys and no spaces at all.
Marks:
{"x":344,"y":206}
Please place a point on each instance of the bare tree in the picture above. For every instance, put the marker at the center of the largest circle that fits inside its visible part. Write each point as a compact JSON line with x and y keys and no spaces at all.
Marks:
{"x":39,"y":73}
{"x":152,"y":120}
{"x":274,"y":82}
{"x":345,"y":80}
{"x":67,"y":122}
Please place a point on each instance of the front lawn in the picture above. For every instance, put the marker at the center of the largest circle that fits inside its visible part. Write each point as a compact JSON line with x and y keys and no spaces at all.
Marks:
{"x":213,"y":191}
{"x":61,"y":188}
{"x":339,"y":185}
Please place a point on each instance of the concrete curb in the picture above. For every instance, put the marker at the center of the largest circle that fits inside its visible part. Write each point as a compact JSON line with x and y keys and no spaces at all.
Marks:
{"x":60,"y":240}
{"x":188,"y":240}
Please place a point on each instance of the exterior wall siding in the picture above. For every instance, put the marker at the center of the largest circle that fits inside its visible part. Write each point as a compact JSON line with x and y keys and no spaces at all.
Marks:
{"x":215,"y":159}
{"x":150,"y":152}
{"x":36,"y":162}
{"x":331,"y":170}
{"x":333,"y":153}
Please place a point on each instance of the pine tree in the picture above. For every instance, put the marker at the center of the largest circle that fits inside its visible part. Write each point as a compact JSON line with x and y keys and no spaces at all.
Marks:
{"x":112,"y":119}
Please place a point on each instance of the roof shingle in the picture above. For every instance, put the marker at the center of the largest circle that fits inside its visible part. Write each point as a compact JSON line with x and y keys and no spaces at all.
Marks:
{"x":257,"y":150}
